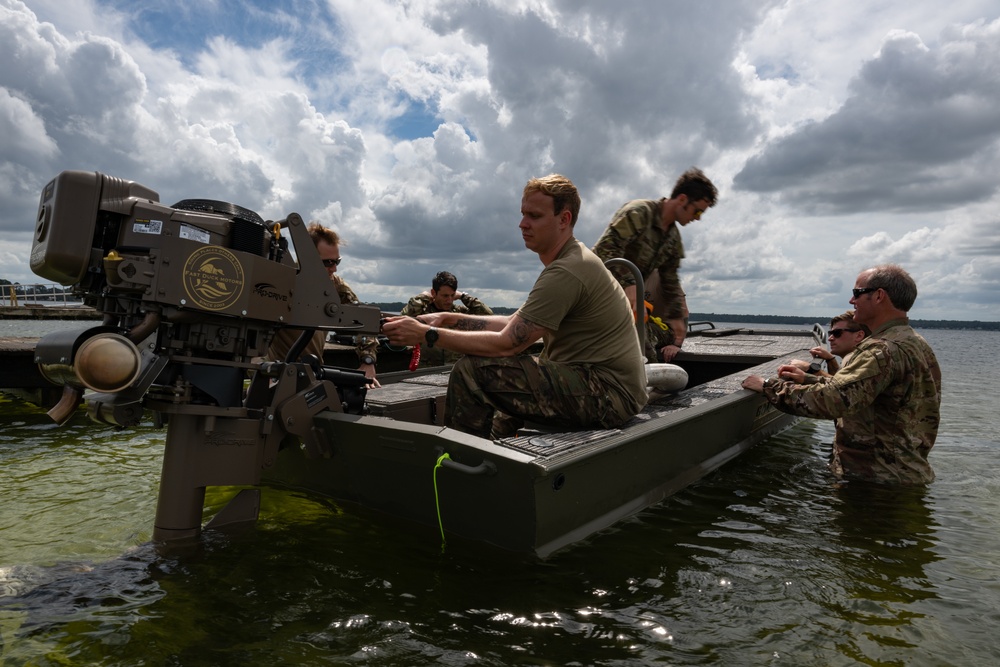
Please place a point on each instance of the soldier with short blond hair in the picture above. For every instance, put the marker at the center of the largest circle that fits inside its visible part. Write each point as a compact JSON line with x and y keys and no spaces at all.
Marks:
{"x":589,"y":373}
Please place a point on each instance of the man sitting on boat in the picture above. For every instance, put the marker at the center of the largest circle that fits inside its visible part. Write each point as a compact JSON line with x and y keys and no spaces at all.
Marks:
{"x":888,"y":394}
{"x":328,"y":244}
{"x":585,"y":377}
{"x":441,"y":299}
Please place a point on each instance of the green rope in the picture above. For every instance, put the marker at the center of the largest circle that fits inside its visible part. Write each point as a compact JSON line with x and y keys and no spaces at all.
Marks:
{"x":437,"y":500}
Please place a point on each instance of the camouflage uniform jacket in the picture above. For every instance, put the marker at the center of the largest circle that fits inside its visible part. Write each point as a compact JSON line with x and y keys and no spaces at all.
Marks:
{"x":636,"y":234}
{"x":424,"y":303}
{"x":886,"y":400}
{"x":285,"y":338}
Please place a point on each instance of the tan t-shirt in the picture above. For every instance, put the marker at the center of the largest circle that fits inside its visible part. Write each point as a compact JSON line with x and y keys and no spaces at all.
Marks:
{"x":580,"y":302}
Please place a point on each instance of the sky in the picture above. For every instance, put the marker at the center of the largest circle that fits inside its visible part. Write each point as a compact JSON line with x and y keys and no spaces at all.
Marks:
{"x":839,"y":135}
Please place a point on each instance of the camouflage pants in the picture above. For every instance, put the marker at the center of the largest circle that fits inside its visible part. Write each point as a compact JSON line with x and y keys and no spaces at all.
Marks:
{"x":655,"y":339}
{"x":526,"y":388}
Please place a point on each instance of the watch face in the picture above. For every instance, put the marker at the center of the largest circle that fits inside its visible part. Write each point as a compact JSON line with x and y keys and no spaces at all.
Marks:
{"x":368,"y":359}
{"x":431,"y":337}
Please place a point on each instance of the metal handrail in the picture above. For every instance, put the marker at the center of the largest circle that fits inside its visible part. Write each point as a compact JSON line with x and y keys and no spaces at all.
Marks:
{"x":37,"y":293}
{"x":640,"y":294}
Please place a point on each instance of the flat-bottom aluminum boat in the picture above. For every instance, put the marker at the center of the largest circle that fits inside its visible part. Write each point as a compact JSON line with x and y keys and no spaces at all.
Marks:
{"x":540,"y":491}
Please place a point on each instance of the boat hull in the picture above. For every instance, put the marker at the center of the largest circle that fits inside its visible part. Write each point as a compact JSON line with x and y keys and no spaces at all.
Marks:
{"x":537,"y":492}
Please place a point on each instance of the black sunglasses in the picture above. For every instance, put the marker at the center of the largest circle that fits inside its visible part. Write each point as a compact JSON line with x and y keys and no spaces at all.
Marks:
{"x":858,"y":291}
{"x":837,"y":333}
{"x":332,"y":262}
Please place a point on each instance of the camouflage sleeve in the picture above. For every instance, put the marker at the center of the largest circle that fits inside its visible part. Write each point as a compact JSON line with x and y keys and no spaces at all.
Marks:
{"x":347,"y":295}
{"x":627,"y":224}
{"x":365,"y":344}
{"x":857,"y":384}
{"x":412,"y":308}
{"x":418,"y":305}
{"x":672,"y":293}
{"x":475,"y":306}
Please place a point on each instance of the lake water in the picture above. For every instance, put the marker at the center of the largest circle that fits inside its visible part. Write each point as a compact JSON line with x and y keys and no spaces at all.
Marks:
{"x":765,"y":562}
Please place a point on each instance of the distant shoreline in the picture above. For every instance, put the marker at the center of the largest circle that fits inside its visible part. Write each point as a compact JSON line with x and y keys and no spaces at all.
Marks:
{"x":62,"y":313}
{"x":793,"y":319}
{"x":770,"y":319}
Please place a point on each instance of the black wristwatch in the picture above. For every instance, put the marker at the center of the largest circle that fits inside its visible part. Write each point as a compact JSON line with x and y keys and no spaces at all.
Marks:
{"x":431,"y":336}
{"x":368,"y":359}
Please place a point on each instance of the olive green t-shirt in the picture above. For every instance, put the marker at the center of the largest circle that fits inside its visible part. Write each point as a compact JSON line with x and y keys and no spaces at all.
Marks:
{"x":578,"y":300}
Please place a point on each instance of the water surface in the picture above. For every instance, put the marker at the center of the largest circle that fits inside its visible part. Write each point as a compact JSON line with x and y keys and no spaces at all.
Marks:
{"x":767,"y":561}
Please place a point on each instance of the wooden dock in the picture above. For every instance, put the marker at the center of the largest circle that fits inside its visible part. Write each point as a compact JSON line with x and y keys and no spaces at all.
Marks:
{"x":19,"y":374}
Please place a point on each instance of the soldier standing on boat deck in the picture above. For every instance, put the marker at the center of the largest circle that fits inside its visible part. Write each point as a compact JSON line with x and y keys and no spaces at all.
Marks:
{"x":644,"y":231}
{"x":328,"y":244}
{"x":580,"y":379}
{"x":441,"y":299}
{"x":887,"y":395}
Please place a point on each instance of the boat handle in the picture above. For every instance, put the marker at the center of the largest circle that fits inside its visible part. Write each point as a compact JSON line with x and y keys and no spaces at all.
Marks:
{"x":640,"y":297}
{"x":484,"y":468}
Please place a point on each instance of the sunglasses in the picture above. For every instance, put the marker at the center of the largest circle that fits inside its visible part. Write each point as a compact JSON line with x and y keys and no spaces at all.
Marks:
{"x":332,"y":262}
{"x":858,"y":291}
{"x":697,"y":212}
{"x":837,"y":333}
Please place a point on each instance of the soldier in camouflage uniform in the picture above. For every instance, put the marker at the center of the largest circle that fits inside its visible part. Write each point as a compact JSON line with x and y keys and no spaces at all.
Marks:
{"x":845,"y":334}
{"x":441,"y":299}
{"x":887,"y":395}
{"x":328,"y":244}
{"x":644,"y":231}
{"x":580,"y":380}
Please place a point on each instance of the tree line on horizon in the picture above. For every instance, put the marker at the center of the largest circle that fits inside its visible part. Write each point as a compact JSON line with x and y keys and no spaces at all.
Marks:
{"x":397,"y":306}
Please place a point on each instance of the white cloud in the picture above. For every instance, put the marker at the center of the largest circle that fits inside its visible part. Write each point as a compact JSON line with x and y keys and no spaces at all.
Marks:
{"x":837,"y":136}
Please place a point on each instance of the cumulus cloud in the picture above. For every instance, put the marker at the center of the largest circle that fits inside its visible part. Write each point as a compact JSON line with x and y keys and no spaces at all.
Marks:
{"x":915,"y":132}
{"x":835,"y":136}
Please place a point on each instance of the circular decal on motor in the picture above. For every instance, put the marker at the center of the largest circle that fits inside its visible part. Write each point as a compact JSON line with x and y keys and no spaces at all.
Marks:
{"x":213,"y":278}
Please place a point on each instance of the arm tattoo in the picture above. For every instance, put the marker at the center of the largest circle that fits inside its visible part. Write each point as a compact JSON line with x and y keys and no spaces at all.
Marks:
{"x":471,"y":324}
{"x":521,"y":332}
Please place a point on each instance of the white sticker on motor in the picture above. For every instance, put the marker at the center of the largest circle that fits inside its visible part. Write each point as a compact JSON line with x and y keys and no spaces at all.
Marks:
{"x":194,"y":234}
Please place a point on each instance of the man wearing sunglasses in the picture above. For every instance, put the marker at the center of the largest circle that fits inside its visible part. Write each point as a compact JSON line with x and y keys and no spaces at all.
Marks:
{"x":845,"y":335}
{"x":886,"y":397}
{"x":645,"y":232}
{"x":328,"y":244}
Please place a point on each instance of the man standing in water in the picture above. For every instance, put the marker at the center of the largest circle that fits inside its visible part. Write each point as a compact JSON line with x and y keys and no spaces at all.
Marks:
{"x":590,"y":372}
{"x":845,"y":335}
{"x":888,"y":394}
